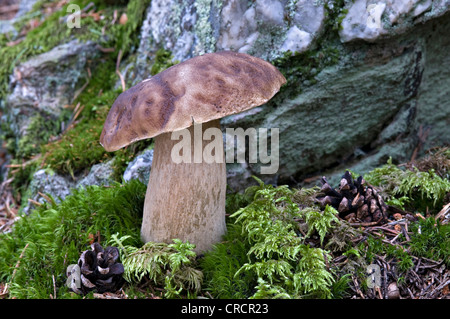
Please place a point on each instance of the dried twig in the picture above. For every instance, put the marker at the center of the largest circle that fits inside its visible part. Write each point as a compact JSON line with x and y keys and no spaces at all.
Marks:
{"x":5,"y":290}
{"x":122,"y":80}
{"x":445,"y":209}
{"x":34,"y":202}
{"x":365,"y":224}
{"x":355,"y":282}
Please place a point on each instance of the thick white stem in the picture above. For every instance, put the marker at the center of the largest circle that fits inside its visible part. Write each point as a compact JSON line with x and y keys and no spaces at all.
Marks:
{"x":185,"y":200}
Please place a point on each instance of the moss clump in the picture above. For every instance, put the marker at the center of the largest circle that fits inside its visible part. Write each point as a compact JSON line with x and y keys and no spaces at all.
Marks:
{"x":431,"y":240}
{"x":163,"y":60}
{"x":68,"y":154}
{"x":417,"y":189}
{"x":221,"y":265}
{"x":274,"y":260}
{"x":171,"y":266}
{"x":40,"y":129}
{"x":54,"y":236}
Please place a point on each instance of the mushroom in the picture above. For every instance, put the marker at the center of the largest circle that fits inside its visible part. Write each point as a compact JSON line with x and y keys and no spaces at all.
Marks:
{"x":187,"y":200}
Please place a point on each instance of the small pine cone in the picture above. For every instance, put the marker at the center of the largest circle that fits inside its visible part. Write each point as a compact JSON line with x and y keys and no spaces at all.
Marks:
{"x":355,"y":200}
{"x":100,"y":270}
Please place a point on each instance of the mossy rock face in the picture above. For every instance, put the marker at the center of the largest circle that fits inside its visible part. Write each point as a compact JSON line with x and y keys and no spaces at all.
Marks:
{"x":41,"y":88}
{"x":48,"y":81}
{"x":371,"y":104}
{"x":347,"y":103}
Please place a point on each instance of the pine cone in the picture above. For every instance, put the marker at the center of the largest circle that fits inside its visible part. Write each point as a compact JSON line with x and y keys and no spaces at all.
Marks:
{"x":100,"y":270}
{"x":354,"y":200}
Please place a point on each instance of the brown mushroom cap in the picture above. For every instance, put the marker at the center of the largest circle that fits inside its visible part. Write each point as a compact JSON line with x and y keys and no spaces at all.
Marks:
{"x":201,"y":89}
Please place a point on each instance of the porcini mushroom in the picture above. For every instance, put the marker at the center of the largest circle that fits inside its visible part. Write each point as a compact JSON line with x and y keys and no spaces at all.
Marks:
{"x":187,"y":200}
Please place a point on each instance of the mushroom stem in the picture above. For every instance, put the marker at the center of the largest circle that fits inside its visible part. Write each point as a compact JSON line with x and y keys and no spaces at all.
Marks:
{"x":185,"y":200}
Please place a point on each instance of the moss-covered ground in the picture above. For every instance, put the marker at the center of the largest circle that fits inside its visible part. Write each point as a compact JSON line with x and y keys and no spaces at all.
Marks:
{"x":279,"y":243}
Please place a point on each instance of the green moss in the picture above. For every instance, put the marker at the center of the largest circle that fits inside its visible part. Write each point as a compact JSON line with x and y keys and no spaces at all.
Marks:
{"x":300,"y":69}
{"x":375,"y":246}
{"x":171,"y":266}
{"x":221,"y":265}
{"x":55,"y":236}
{"x":69,"y":155}
{"x":279,"y":244}
{"x":163,"y":60}
{"x":335,"y":14}
{"x":430,"y":239}
{"x":39,"y":131}
{"x":416,"y":189}
{"x":276,"y":257}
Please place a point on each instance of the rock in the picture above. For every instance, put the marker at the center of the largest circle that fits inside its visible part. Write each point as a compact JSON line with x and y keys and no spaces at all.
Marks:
{"x":371,"y":21}
{"x":140,"y":167}
{"x":392,"y":291}
{"x":58,"y":187}
{"x":48,"y":81}
{"x":175,"y":25}
{"x":263,"y":28}
{"x":267,"y":28}
{"x":47,"y":183}
{"x":369,"y":106}
{"x":100,"y":174}
{"x":41,"y":86}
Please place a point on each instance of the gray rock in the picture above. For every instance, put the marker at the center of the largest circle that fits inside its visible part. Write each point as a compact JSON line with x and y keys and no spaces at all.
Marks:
{"x":377,"y":102}
{"x":268,"y":28}
{"x":47,"y":183}
{"x":59,"y":187}
{"x":48,"y":81}
{"x":263,"y":28}
{"x":100,"y":174}
{"x":44,"y":84}
{"x":140,"y":167}
{"x":372,"y":20}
